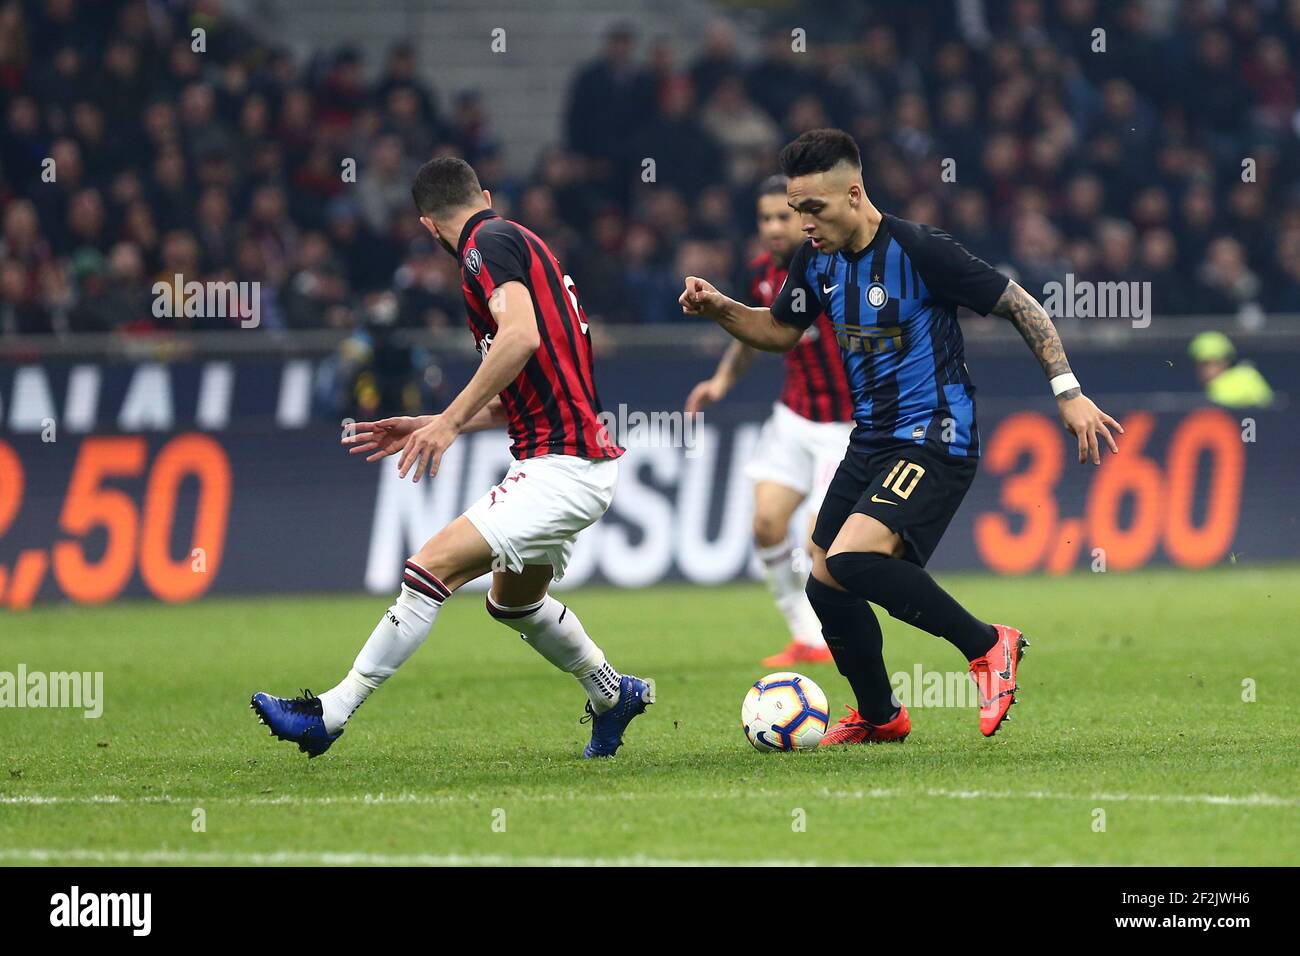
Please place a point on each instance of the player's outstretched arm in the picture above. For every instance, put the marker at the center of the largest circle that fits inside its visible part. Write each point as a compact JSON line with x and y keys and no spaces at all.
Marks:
{"x":1081,"y":417}
{"x":735,"y":362}
{"x":516,"y":339}
{"x":755,"y":327}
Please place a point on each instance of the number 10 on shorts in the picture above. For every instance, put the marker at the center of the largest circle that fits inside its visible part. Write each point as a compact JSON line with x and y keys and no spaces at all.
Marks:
{"x":903,"y":478}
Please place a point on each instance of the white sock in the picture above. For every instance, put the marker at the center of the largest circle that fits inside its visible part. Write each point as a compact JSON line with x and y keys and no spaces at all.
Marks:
{"x":555,"y":632}
{"x":786,"y":585}
{"x":397,"y":636}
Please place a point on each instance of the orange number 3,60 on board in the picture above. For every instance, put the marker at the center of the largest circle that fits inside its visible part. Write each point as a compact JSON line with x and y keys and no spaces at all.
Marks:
{"x":1162,"y":500}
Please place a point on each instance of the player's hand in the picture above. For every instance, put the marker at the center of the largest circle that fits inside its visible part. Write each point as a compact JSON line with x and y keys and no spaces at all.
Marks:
{"x":706,"y":393}
{"x":425,"y":447}
{"x":701,"y":298}
{"x":382,"y":438}
{"x":1086,"y":422}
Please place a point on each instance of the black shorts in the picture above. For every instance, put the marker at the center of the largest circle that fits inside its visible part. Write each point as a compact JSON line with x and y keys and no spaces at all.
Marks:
{"x":911,"y":490}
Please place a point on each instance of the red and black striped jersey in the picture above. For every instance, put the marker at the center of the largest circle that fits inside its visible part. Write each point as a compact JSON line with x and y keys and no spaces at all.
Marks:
{"x":815,"y":384}
{"x":552,"y":406}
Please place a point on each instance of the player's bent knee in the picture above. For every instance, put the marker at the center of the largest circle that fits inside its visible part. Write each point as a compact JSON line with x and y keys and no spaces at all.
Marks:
{"x":511,"y":590}
{"x":430,"y":561}
{"x":852,"y":569}
{"x":457,"y":554}
{"x":819,"y":572}
{"x":768,"y":531}
{"x":864,"y":534}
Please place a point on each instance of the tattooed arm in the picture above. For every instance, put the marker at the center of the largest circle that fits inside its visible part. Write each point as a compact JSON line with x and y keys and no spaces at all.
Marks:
{"x":1035,"y":326}
{"x":1080,"y":416}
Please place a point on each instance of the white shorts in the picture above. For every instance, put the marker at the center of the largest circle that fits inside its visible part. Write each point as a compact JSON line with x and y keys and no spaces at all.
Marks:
{"x":798,"y":453}
{"x":533,"y":516}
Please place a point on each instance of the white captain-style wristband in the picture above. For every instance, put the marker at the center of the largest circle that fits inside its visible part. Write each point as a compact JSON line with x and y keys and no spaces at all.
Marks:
{"x":1063,"y":383}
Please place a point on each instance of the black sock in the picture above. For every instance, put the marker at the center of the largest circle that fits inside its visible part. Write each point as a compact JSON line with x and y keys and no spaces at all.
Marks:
{"x":908,"y":593}
{"x":853,"y":635}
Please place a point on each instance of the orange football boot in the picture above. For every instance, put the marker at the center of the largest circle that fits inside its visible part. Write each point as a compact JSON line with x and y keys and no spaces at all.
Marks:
{"x":995,"y":676}
{"x":796,"y":653}
{"x":853,"y":729}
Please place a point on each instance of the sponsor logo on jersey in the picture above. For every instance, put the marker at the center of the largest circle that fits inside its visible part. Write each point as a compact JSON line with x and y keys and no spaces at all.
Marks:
{"x":873,"y":339}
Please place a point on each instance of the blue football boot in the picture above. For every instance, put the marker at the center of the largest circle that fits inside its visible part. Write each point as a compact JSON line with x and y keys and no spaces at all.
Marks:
{"x":634,"y":696}
{"x":296,"y":719}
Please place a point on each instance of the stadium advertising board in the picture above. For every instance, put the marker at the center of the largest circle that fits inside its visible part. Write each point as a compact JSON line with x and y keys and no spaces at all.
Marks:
{"x":175,"y":482}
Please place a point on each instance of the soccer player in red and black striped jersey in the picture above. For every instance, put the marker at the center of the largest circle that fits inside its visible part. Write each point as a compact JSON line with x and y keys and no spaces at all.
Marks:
{"x":536,"y":378}
{"x":803,"y":441}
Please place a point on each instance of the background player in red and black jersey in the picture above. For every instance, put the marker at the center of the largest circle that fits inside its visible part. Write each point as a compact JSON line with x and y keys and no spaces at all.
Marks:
{"x":536,"y":378}
{"x":803,"y":441}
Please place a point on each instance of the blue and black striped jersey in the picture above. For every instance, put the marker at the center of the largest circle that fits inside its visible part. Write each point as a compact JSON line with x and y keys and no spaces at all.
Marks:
{"x":893,"y":306}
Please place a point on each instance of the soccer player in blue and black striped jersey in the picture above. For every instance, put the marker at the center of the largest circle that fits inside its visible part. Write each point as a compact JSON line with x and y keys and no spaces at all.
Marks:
{"x":892,"y":289}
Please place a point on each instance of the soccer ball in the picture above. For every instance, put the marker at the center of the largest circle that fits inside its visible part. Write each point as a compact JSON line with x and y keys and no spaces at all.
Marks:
{"x":784,"y":711}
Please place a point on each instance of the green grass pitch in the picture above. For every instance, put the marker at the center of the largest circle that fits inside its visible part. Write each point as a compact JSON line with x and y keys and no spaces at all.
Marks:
{"x":1131,"y":715}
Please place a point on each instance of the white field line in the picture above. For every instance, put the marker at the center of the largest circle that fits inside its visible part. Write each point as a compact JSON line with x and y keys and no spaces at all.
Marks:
{"x":300,"y":858}
{"x":878,"y":793}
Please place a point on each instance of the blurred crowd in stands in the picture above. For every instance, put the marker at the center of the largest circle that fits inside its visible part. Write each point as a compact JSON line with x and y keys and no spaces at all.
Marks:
{"x":1172,"y":156}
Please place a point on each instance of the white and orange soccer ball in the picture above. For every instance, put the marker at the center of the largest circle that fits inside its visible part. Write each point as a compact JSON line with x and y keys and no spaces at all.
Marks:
{"x":784,"y":711}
